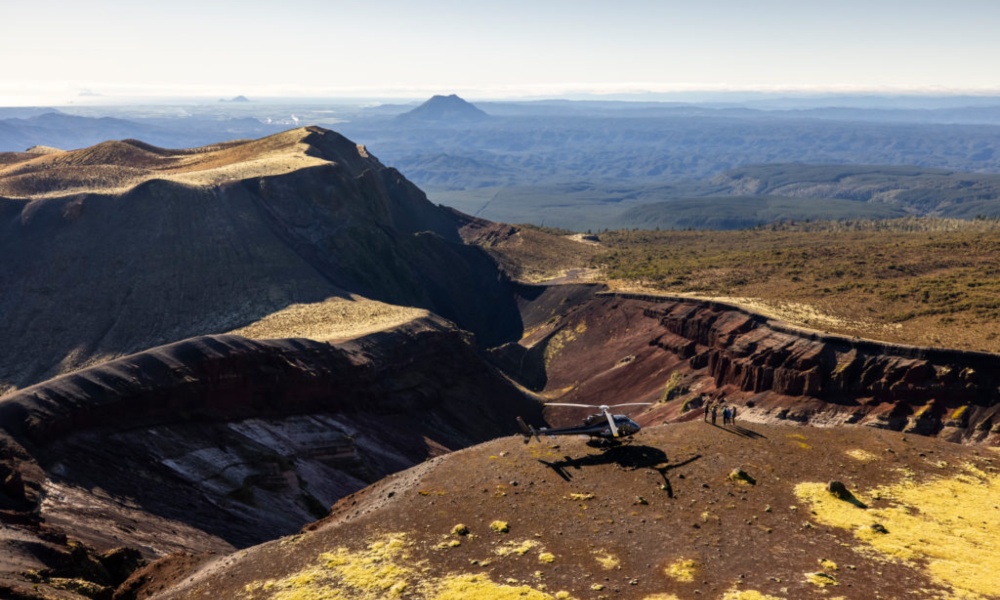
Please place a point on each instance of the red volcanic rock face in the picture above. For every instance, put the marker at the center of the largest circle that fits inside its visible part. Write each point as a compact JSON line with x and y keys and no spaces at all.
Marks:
{"x":625,"y":348}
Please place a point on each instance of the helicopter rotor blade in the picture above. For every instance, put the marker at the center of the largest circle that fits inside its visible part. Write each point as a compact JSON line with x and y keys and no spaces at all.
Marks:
{"x":600,"y":407}
{"x":611,"y":421}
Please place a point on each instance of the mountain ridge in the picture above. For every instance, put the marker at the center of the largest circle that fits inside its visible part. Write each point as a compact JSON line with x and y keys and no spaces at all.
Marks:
{"x":294,"y":218}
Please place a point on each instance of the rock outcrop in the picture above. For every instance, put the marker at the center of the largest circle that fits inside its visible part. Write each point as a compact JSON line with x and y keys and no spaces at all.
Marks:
{"x":930,"y":391}
{"x":615,"y":348}
{"x":219,"y":442}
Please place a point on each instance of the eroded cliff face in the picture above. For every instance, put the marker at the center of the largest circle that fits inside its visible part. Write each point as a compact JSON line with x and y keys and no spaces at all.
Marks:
{"x":631,"y":348}
{"x":220,"y":442}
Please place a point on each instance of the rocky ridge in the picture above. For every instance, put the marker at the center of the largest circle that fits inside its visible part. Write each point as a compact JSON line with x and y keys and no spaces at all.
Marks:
{"x":701,"y":352}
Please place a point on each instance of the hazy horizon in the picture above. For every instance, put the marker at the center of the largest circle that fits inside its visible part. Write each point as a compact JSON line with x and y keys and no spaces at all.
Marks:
{"x":103,"y":51}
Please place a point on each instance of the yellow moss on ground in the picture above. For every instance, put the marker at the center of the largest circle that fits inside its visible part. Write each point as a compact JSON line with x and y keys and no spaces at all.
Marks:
{"x":561,"y":339}
{"x":607,"y":560}
{"x":949,"y":526}
{"x":821,"y":579}
{"x":385,"y":570}
{"x":862,"y":455}
{"x":684,"y":570}
{"x":747,"y":595}
{"x":464,"y":587}
{"x":516,"y":548}
{"x":500,"y":526}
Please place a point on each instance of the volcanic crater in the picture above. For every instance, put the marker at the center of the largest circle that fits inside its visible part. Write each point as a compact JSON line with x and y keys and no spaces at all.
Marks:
{"x":206,"y":349}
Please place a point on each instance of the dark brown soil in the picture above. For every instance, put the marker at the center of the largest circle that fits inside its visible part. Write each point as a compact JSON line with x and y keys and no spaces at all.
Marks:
{"x":666,"y":497}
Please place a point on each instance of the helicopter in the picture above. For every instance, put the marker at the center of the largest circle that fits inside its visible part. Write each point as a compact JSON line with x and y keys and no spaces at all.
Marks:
{"x":604,"y":428}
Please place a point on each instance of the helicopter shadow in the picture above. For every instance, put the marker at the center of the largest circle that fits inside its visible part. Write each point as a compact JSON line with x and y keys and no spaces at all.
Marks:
{"x":629,"y":458}
{"x":740,"y":431}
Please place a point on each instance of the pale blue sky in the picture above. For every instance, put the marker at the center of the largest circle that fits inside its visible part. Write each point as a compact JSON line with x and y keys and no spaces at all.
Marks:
{"x":52,"y":50}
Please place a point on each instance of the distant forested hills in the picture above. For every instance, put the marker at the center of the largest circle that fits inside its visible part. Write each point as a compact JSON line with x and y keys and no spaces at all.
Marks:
{"x":526,"y":150}
{"x":744,"y":197}
{"x":581,"y":167}
{"x":594,"y":165}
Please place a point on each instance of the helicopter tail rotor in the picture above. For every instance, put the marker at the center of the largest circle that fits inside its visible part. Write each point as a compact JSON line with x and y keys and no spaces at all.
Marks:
{"x":527,"y":431}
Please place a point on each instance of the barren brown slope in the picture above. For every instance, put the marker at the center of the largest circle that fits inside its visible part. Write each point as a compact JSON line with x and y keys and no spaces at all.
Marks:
{"x":531,"y":255}
{"x":664,"y":518}
{"x":124,"y":246}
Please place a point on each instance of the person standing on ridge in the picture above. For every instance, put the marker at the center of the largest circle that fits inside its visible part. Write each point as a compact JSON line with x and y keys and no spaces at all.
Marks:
{"x":715,"y":409}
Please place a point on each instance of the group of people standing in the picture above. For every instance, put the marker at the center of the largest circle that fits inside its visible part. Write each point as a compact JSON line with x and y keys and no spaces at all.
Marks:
{"x":728,"y":413}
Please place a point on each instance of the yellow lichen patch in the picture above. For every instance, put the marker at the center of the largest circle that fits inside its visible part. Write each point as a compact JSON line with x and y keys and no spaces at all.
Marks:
{"x":707,"y":516}
{"x":827,"y":564}
{"x":309,"y":584}
{"x":547,"y":557}
{"x":515,"y":548}
{"x":375,"y":571}
{"x":580,"y":497}
{"x":821,"y":579}
{"x":950,"y":526}
{"x":607,"y":560}
{"x":747,"y":595}
{"x":862,"y":455}
{"x":543,"y":452}
{"x":561,"y":339}
{"x":463,"y":587}
{"x":799,"y":440}
{"x":500,"y":526}
{"x":684,"y":570}
{"x":382,"y":571}
{"x":661,"y":597}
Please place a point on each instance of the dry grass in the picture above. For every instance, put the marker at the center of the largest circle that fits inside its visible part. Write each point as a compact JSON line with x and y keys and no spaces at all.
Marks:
{"x":333,"y":319}
{"x":913,"y":284}
{"x":116,"y":166}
